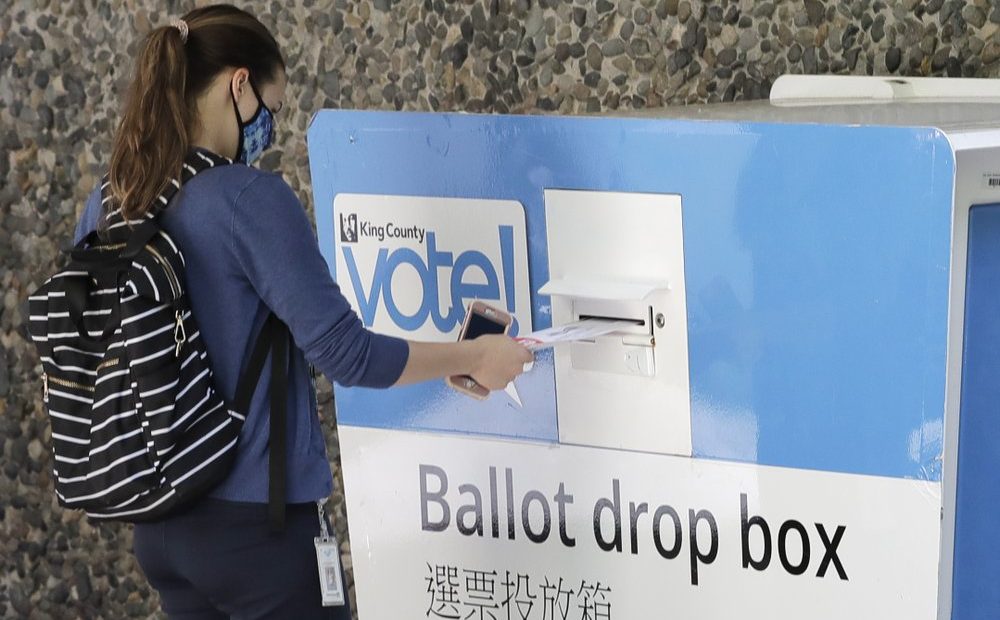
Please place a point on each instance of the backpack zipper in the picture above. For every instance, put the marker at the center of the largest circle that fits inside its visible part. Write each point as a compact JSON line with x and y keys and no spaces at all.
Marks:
{"x":109,"y":247}
{"x":45,"y":388}
{"x":175,"y":284}
{"x":180,"y":336}
{"x":66,"y":383}
{"x":110,"y":362}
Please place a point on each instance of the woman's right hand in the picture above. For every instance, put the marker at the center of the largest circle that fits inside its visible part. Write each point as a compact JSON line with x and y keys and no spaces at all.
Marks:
{"x":499,"y":359}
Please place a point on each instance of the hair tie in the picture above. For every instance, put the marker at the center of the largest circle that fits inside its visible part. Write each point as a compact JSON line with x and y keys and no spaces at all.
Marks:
{"x":182,"y":26}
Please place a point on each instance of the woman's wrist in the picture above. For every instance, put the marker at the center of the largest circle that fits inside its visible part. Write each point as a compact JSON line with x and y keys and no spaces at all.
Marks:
{"x":471,"y":356}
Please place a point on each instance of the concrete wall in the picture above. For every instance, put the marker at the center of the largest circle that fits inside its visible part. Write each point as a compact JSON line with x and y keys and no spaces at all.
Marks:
{"x":64,"y":65}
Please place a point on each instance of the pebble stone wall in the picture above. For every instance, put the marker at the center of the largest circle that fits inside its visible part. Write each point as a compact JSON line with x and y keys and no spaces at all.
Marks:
{"x":64,"y":65}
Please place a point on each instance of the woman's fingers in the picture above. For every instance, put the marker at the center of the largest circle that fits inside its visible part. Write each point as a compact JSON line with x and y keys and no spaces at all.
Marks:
{"x":501,"y":361}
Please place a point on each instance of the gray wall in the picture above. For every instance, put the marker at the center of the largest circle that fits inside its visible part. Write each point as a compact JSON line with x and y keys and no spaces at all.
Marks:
{"x":64,"y":65}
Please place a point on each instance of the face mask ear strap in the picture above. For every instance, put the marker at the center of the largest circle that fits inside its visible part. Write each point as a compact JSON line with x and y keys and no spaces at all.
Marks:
{"x":260,"y":100}
{"x":239,"y":128}
{"x":262,"y":106}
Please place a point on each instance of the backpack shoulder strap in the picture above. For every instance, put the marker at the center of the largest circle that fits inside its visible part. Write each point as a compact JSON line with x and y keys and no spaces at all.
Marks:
{"x":120,"y":231}
{"x":274,"y":339}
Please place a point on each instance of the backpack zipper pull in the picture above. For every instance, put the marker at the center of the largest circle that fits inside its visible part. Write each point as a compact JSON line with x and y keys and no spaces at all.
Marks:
{"x":45,"y":388}
{"x":180,"y":337}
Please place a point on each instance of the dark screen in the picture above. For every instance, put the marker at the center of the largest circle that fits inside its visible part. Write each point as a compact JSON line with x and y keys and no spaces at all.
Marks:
{"x":479,"y":325}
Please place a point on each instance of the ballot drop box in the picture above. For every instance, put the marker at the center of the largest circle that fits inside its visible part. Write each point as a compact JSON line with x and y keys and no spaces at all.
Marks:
{"x":801,"y":416}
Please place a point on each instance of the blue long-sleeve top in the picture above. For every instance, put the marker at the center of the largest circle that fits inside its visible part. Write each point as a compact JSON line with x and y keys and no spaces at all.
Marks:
{"x":248,"y":248}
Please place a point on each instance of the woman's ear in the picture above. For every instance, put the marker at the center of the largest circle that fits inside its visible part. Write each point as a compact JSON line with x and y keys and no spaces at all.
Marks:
{"x":239,"y":82}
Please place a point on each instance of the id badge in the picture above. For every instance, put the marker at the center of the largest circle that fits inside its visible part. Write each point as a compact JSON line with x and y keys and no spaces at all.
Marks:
{"x":331,"y":583}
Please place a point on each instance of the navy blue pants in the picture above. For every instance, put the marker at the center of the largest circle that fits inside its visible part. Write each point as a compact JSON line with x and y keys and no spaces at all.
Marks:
{"x":218,"y":560}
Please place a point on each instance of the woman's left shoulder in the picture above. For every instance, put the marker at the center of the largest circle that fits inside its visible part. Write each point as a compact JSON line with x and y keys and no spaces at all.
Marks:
{"x":264,"y":186}
{"x":245,"y":187}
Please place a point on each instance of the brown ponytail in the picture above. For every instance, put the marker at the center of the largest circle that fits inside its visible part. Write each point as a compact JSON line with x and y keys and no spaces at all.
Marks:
{"x":152,"y":138}
{"x":170,"y":73}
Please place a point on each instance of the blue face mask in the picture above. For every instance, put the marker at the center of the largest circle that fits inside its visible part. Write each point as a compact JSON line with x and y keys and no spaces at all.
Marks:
{"x":256,"y":134}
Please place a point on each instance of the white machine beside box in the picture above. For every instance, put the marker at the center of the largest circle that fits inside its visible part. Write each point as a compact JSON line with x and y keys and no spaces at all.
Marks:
{"x":617,"y":255}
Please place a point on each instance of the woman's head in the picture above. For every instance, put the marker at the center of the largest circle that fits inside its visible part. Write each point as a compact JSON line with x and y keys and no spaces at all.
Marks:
{"x":203,"y":84}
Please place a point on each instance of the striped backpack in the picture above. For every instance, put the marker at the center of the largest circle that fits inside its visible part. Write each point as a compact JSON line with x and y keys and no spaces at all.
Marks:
{"x":138,"y":428}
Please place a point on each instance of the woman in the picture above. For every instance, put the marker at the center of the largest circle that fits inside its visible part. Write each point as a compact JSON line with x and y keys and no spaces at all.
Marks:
{"x":215,"y":81}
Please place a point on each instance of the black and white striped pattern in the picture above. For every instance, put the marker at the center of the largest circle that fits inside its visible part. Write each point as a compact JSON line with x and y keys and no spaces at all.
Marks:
{"x":137,"y":427}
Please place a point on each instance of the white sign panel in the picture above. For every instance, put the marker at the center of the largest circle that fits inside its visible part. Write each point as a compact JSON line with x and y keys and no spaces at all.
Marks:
{"x":410,"y":265}
{"x":457,"y":527}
